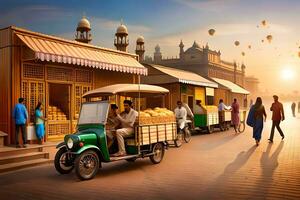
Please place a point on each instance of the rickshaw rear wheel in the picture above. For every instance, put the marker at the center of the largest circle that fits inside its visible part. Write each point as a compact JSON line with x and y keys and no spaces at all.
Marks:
{"x":187,"y":135}
{"x":87,"y":165}
{"x":61,"y":162}
{"x":158,"y":153}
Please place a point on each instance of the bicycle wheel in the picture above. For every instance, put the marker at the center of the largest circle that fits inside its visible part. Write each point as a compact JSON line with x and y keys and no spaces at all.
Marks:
{"x":241,"y":127}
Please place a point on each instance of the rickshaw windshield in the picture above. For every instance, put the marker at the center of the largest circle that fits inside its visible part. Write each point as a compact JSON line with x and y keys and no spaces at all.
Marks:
{"x":93,"y":113}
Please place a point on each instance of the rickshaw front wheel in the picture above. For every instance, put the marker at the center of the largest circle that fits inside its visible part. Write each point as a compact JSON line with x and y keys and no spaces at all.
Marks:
{"x":62,"y":161}
{"x":87,"y":165}
{"x":158,"y":153}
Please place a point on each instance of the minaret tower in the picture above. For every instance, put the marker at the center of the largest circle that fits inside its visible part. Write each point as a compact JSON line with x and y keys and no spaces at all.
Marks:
{"x":140,"y":48}
{"x":157,"y":55}
{"x":181,"y":52}
{"x":121,"y":38}
{"x":83,"y":31}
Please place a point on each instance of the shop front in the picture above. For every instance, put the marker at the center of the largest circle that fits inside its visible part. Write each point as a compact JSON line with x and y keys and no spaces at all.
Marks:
{"x":56,"y":72}
{"x":183,"y":85}
{"x":229,"y":91}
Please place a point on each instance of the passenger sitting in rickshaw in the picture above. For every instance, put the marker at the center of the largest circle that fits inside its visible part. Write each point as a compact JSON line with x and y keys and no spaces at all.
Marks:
{"x":181,"y":114}
{"x":127,"y":119}
{"x":199,"y":109}
{"x":112,"y":124}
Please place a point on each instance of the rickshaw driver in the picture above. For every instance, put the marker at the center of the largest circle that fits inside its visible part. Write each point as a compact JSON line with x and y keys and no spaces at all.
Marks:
{"x":181,"y":115}
{"x":112,"y":124}
{"x":127,"y":119}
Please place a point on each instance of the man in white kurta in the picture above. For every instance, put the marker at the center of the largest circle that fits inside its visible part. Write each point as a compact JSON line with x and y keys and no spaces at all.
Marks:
{"x":127,"y":119}
{"x":181,"y":114}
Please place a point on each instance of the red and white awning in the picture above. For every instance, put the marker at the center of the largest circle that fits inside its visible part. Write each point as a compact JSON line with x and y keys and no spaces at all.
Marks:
{"x":62,"y":51}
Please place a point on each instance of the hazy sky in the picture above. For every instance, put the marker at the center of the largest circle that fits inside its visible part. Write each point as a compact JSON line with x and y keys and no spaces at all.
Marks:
{"x":165,"y":22}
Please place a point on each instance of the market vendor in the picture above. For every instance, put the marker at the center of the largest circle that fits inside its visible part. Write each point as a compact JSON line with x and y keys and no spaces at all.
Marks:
{"x":181,"y":114}
{"x":222,"y":108}
{"x":127,"y":119}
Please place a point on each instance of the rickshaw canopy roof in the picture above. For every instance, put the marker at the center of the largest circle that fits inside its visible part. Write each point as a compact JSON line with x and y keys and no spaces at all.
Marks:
{"x":129,"y":90}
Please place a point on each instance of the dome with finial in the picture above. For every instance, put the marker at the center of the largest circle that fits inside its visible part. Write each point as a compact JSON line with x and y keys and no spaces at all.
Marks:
{"x":195,"y":49}
{"x":195,"y":45}
{"x":140,"y":39}
{"x":122,"y":29}
{"x":84,"y":24}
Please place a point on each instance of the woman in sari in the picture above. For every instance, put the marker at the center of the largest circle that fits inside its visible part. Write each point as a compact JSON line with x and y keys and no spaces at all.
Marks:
{"x":39,"y":123}
{"x":235,"y":115}
{"x":259,"y":117}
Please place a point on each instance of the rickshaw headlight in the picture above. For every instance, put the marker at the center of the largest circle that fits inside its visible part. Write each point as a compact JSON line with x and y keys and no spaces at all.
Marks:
{"x":70,"y":143}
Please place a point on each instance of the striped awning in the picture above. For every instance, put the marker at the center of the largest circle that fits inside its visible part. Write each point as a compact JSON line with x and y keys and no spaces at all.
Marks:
{"x":231,"y":86}
{"x":75,"y":53}
{"x":170,"y":75}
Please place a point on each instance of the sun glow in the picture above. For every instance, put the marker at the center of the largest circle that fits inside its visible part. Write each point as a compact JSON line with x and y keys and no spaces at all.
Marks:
{"x":287,"y":74}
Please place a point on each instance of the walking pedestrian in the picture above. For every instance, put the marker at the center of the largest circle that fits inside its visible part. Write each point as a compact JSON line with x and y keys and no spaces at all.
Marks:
{"x":277,"y":116}
{"x":235,"y":114}
{"x":260,"y":116}
{"x":20,"y":116}
{"x":39,"y":123}
{"x":293,"y":107}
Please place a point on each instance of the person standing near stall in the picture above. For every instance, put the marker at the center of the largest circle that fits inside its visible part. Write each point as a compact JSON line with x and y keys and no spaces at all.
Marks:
{"x":235,"y":115}
{"x":39,"y":123}
{"x":222,"y":108}
{"x":20,"y":116}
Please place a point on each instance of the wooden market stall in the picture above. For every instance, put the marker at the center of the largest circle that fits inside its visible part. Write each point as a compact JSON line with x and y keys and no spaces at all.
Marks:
{"x":183,"y":85}
{"x":229,"y":91}
{"x":56,"y":72}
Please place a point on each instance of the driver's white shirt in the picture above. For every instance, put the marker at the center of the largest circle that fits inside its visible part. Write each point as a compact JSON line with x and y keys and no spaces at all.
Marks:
{"x":181,"y":115}
{"x":127,"y":119}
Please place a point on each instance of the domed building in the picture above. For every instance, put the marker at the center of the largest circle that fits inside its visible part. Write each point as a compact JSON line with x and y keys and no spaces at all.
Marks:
{"x":121,"y":41}
{"x":83,"y":31}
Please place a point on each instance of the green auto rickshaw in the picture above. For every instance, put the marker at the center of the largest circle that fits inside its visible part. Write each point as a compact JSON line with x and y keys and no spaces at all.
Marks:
{"x":86,"y":149}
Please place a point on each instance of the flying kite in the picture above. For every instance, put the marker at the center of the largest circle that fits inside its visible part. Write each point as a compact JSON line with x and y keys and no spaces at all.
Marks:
{"x":211,"y":32}
{"x":269,"y":38}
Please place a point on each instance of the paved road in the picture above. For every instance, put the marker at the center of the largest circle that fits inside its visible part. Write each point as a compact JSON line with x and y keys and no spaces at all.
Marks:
{"x":217,"y":166}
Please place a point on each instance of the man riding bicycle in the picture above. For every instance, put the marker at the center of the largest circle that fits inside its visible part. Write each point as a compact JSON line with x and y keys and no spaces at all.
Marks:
{"x":181,"y":115}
